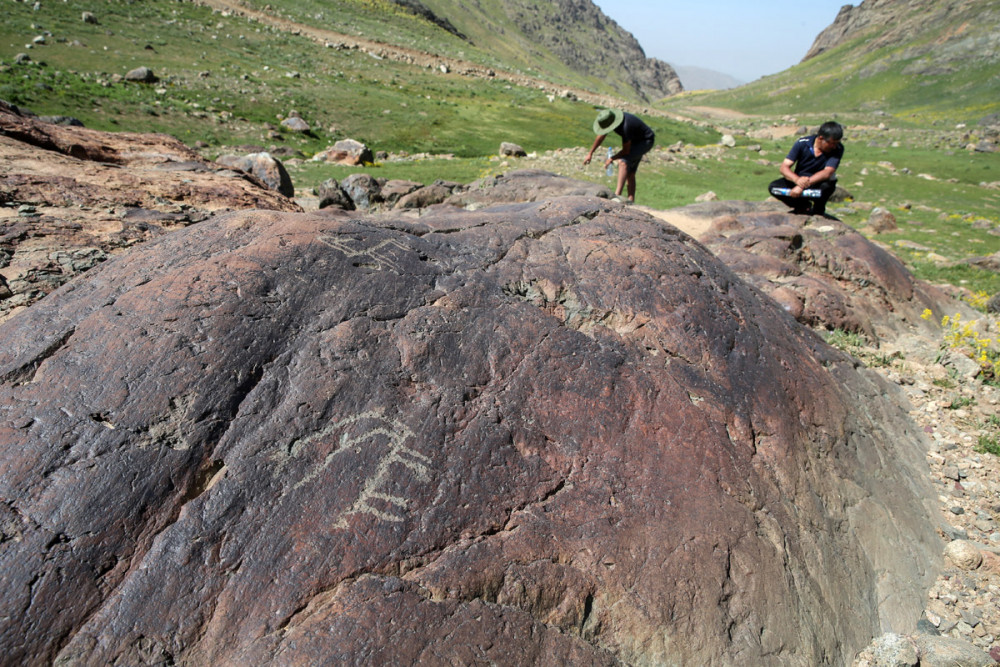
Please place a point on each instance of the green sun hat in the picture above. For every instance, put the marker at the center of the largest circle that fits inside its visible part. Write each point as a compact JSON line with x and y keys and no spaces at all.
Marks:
{"x":608,"y":120}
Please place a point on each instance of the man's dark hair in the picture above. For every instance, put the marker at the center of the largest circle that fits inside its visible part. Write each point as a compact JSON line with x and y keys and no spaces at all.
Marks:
{"x":831,"y":130}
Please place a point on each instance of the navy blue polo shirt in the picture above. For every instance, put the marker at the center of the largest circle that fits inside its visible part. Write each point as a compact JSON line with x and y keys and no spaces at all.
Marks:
{"x":807,"y":163}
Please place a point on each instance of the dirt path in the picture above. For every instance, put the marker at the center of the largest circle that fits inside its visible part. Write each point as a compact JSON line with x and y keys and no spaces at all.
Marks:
{"x":689,"y":225}
{"x":432,"y":61}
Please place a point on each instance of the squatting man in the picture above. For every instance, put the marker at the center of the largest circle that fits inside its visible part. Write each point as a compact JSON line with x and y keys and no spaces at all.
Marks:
{"x":809,"y":171}
{"x":637,"y":140}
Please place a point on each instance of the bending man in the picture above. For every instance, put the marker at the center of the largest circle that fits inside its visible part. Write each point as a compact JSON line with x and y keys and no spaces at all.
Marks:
{"x":637,"y":140}
{"x":809,"y":172}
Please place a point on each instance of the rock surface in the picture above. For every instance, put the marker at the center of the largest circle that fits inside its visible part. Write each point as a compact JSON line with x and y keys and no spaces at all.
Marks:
{"x":524,"y":185}
{"x":820,"y":270}
{"x":552,"y":433}
{"x":72,"y":196}
{"x":265,"y":168}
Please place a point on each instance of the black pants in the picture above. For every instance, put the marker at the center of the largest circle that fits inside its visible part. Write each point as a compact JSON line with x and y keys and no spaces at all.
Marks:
{"x":815,"y":206}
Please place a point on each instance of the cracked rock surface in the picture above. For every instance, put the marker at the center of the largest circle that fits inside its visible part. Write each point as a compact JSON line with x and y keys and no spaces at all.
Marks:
{"x":72,"y":197}
{"x":557,"y":432}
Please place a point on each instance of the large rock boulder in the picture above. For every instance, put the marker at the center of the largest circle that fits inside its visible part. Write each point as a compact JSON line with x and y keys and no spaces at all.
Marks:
{"x":524,"y":185}
{"x":72,"y":196}
{"x":264,"y":167}
{"x":549,"y":433}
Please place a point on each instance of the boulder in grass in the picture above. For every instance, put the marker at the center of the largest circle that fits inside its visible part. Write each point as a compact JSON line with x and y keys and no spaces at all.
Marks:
{"x":348,"y":152}
{"x":141,"y":75}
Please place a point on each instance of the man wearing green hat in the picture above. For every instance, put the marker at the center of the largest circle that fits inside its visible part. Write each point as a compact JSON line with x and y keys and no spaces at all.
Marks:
{"x":637,"y":140}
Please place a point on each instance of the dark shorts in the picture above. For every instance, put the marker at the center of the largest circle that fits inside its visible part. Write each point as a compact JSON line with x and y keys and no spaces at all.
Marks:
{"x":635,"y":155}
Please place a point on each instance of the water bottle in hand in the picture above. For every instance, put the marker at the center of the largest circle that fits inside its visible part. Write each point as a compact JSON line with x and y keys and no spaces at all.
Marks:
{"x":610,"y":169}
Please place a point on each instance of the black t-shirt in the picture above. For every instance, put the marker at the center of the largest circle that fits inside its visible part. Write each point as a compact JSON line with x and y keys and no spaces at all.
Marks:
{"x":634,"y":130}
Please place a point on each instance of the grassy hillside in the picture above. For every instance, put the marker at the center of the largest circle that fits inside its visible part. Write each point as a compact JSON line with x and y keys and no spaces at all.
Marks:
{"x":946,"y":67}
{"x":227,"y":81}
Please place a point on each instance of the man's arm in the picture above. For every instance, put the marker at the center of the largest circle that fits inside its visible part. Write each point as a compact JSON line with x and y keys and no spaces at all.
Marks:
{"x":804,"y":182}
{"x":821,"y":176}
{"x":597,"y":142}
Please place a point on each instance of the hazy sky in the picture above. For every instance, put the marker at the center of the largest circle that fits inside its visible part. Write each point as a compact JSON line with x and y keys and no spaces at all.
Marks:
{"x":743,"y":39}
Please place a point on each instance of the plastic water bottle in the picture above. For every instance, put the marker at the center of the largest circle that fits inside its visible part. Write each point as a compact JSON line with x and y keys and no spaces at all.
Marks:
{"x":611,"y":168}
{"x":811,"y":192}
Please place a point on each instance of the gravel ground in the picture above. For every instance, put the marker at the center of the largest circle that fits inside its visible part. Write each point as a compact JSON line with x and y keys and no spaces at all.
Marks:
{"x":959,"y":414}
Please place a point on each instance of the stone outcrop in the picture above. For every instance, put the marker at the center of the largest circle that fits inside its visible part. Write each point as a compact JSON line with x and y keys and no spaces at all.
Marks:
{"x":71,"y":197}
{"x":820,"y":270}
{"x":548,"y":433}
{"x":523,"y":185}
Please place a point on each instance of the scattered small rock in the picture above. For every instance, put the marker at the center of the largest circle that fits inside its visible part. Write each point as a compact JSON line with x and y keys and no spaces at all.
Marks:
{"x":964,"y":554}
{"x":881,"y":220}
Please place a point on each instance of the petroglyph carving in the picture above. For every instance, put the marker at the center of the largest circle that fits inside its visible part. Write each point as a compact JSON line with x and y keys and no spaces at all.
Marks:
{"x":374,"y":429}
{"x":376,"y":257}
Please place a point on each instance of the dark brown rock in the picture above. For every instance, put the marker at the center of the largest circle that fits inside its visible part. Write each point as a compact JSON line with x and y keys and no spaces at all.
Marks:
{"x":843,"y":281}
{"x":429,"y":195}
{"x":331,"y":195}
{"x":98,"y":194}
{"x":550,"y":433}
{"x":524,"y":185}
{"x":395,"y":189}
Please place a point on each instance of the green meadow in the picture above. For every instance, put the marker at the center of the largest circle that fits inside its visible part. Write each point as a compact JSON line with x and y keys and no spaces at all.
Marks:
{"x":226,"y":83}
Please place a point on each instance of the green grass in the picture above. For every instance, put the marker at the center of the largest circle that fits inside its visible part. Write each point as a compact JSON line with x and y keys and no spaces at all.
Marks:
{"x":988,"y":444}
{"x":227,"y":82}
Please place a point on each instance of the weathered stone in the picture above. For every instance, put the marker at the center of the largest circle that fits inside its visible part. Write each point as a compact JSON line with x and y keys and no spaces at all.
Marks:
{"x":396,"y":189}
{"x":892,"y":650}
{"x":524,"y":185}
{"x":88,"y":17}
{"x":428,"y":195}
{"x":363,"y":189}
{"x":882,"y":220}
{"x":331,"y":195}
{"x":264,"y":167}
{"x":843,"y":280}
{"x":141,"y":75}
{"x":964,"y":554}
{"x":949,"y":652}
{"x":295,"y":124}
{"x":62,"y":120}
{"x":549,"y":433}
{"x":508,"y":149}
{"x":346,"y":151}
{"x":99,"y":191}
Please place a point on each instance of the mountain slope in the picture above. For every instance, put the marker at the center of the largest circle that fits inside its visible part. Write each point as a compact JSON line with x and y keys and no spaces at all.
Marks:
{"x":576,"y":32}
{"x":925,"y":57}
{"x":569,"y":43}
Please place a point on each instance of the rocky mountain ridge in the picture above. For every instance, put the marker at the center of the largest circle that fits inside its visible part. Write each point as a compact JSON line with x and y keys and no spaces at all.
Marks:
{"x":944,"y":32}
{"x":579,"y":34}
